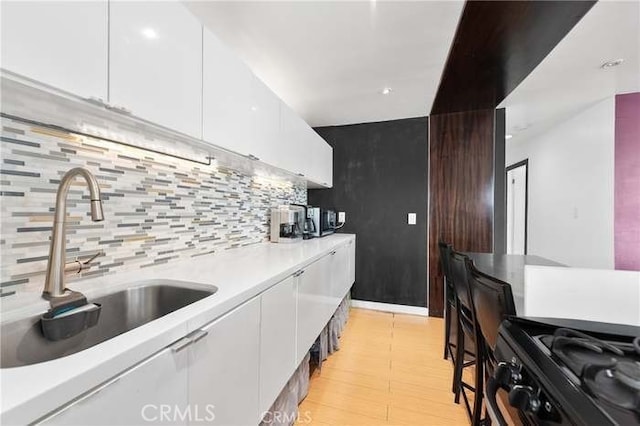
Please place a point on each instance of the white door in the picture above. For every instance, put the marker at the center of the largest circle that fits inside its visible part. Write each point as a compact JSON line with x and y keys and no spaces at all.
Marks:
{"x":135,"y":397}
{"x":62,"y":44}
{"x":517,"y":208}
{"x":277,"y":340}
{"x":227,"y":84}
{"x":223,"y":367}
{"x":155,"y":63}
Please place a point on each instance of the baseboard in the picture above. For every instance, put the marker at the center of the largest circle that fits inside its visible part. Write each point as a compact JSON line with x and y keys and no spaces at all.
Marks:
{"x":390,"y":307}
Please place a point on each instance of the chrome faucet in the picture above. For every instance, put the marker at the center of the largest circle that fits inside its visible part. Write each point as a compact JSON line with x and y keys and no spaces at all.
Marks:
{"x":54,"y":283}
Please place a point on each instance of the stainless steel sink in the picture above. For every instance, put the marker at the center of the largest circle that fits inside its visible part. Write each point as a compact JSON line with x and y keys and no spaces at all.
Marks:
{"x":23,"y":342}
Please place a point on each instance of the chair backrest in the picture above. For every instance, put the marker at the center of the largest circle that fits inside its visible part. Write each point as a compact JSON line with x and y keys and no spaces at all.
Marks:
{"x":445,"y":260}
{"x":493,"y":302}
{"x":459,"y":274}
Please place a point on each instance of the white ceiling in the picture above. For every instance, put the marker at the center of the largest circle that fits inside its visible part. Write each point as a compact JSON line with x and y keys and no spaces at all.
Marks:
{"x":330,"y":60}
{"x":570,"y":79}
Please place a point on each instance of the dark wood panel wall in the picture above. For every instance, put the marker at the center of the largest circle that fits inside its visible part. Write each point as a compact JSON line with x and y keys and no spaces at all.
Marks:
{"x":461,"y":184}
{"x":496,"y":46}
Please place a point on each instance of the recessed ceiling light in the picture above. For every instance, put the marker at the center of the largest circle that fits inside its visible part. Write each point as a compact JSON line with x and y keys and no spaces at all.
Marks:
{"x":611,"y":64}
{"x":254,"y":108}
{"x":507,"y":137}
{"x":149,"y":33}
{"x":386,"y":90}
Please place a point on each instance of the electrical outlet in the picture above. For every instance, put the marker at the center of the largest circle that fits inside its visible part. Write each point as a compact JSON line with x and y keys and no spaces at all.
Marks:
{"x":342,"y":217}
{"x":411,"y":218}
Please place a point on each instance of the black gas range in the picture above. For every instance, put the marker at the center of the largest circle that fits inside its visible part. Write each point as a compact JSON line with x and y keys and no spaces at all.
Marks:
{"x":556,"y":372}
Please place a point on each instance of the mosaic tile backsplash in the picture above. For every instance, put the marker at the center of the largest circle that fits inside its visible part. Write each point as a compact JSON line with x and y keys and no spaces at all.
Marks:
{"x":157,"y":208}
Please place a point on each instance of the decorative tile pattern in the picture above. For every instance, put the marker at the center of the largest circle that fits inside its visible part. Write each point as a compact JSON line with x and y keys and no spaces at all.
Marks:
{"x":157,"y":208}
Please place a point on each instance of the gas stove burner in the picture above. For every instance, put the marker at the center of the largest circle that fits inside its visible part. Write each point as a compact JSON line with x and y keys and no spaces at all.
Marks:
{"x":628,"y":373}
{"x":568,"y":337}
{"x":603,"y":382}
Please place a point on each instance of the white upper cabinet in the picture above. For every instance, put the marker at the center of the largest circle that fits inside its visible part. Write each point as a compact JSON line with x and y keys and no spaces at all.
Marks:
{"x":302,"y":151}
{"x":155,"y":63}
{"x":227,"y":97}
{"x":62,"y":44}
{"x":294,"y":154}
{"x":321,"y":168}
{"x":265,"y":124}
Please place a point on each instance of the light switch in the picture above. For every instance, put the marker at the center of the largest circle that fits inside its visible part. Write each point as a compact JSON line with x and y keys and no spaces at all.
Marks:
{"x":342,"y":217}
{"x":411,"y":219}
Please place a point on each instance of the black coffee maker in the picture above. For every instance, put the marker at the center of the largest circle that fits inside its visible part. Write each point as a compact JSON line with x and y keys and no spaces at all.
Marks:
{"x":309,"y":225}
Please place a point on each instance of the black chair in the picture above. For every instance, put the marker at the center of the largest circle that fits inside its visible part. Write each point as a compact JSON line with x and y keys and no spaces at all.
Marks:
{"x":469,"y":346}
{"x":493,"y":302}
{"x":449,"y":300}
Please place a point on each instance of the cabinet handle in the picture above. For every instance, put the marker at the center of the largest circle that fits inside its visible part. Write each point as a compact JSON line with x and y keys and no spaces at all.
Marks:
{"x":198,"y":335}
{"x":253,"y":157}
{"x":333,"y":252}
{"x":301,"y":174}
{"x":119,"y":109}
{"x":181,"y":344}
{"x":300,"y":272}
{"x":96,"y":101}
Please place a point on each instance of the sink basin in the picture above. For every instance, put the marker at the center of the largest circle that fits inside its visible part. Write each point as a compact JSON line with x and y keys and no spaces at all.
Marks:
{"x":123,"y":310}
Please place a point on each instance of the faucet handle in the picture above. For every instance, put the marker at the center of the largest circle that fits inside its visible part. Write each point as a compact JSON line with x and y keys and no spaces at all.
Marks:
{"x":81,"y":264}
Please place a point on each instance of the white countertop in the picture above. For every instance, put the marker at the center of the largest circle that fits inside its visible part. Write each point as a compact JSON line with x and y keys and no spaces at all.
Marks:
{"x":32,"y":391}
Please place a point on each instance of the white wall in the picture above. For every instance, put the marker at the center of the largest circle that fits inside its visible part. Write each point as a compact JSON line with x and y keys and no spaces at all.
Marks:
{"x":571,"y":187}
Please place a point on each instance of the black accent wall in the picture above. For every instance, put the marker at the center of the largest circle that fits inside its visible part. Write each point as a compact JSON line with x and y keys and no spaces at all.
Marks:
{"x":379,"y":176}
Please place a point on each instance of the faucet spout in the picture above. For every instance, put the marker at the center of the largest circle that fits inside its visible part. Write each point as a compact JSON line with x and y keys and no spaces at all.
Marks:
{"x":54,"y":282}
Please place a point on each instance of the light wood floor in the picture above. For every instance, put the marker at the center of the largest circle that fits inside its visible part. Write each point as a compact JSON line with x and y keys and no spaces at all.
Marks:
{"x":389,"y":371}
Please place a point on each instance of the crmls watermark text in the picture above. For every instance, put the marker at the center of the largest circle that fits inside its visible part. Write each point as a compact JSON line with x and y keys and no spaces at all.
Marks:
{"x":159,"y":413}
{"x":280,"y":417}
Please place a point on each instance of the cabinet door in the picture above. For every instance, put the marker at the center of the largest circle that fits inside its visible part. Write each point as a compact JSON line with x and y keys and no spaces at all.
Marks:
{"x":223,"y":367}
{"x":265,"y":124}
{"x":277,"y":340}
{"x":135,"y":397}
{"x":323,"y":167}
{"x":295,"y":154}
{"x":339,"y":273}
{"x":227,"y":84}
{"x":62,"y":44}
{"x":315,"y":304}
{"x":351,"y":247}
{"x":155,"y":63}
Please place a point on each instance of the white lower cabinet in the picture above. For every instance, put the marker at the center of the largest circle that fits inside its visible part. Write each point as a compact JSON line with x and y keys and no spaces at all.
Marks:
{"x":223,"y":368}
{"x":210,"y":376}
{"x":277,"y":340}
{"x":231,"y":370}
{"x":339,"y":273}
{"x":315,"y":304}
{"x":151,"y":392}
{"x":351,"y":248}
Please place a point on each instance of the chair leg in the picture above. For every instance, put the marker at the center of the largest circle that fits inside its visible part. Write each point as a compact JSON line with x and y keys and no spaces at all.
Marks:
{"x":447,"y":328}
{"x":459,"y":363}
{"x":479,"y":385}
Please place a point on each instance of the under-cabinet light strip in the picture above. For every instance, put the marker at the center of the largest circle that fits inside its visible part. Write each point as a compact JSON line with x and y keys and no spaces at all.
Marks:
{"x":79,"y":133}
